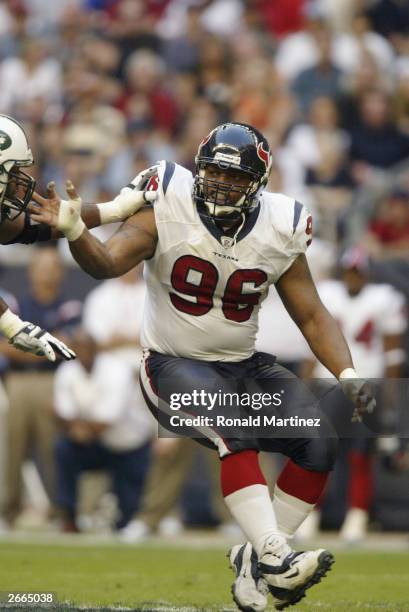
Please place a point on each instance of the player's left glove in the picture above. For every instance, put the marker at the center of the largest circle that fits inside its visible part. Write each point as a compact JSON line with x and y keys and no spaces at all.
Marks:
{"x":33,"y":339}
{"x":359,"y":391}
{"x":30,"y":338}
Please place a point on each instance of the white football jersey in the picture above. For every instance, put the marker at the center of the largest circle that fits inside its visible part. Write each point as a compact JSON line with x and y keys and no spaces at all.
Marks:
{"x":204,"y":291}
{"x":377,"y":311}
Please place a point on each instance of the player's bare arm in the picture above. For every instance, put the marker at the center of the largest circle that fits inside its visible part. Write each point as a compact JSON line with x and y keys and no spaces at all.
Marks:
{"x":9,"y":229}
{"x":300,"y":297}
{"x":132,"y":243}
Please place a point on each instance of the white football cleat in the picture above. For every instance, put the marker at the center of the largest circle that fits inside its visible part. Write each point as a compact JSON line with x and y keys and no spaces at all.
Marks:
{"x":290,"y":574}
{"x":355,"y":526}
{"x":249,"y":590}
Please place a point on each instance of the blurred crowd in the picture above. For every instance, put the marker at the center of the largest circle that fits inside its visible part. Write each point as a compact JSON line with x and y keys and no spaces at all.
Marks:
{"x":105,"y":88}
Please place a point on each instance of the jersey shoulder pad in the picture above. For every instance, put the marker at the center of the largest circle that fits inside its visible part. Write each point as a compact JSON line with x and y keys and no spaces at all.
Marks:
{"x":174,"y":202}
{"x":164,"y":176}
{"x":291,"y":220}
{"x":174,"y":178}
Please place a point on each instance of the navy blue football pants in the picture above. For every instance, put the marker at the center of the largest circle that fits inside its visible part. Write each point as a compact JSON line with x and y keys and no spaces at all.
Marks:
{"x":164,"y":377}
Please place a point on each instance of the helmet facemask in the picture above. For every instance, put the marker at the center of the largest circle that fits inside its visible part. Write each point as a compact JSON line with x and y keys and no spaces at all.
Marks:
{"x":16,"y":191}
{"x":225,"y":200}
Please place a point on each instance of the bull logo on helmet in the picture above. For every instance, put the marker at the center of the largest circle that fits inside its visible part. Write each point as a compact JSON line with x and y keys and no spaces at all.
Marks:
{"x":5,"y":141}
{"x":206,"y":139}
{"x":263,"y":155}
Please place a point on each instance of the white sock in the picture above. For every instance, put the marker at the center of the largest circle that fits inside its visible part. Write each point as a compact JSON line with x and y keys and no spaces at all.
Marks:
{"x":290,"y":512}
{"x":253,"y":510}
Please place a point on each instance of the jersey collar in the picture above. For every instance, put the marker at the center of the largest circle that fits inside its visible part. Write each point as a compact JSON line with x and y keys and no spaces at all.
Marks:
{"x":218,"y":233}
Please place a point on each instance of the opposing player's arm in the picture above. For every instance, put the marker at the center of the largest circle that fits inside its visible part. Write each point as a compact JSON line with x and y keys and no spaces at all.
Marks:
{"x":300,"y":297}
{"x":22,"y":231}
{"x":132,"y":243}
{"x":11,"y":229}
{"x":45,"y":211}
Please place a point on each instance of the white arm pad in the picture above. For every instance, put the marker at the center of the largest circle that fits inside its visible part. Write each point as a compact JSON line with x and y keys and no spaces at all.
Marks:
{"x":124,"y":205}
{"x":10,"y":324}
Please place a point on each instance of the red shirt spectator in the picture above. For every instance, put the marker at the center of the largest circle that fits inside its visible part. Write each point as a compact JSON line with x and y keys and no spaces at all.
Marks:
{"x":391,"y":226}
{"x":281,"y":17}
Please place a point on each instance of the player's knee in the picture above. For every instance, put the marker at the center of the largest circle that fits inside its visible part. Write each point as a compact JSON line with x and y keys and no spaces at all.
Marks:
{"x":318,"y":455}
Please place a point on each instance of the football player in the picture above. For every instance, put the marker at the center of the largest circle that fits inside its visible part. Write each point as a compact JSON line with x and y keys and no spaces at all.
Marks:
{"x":212,"y":245}
{"x":373,"y":319}
{"x":16,"y":192}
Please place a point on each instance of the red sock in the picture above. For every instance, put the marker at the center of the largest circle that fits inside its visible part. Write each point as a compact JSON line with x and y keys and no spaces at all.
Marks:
{"x":240,"y":470}
{"x":301,"y":483}
{"x":360,"y":490}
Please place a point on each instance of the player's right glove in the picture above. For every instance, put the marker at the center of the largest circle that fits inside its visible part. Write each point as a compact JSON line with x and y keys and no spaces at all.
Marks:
{"x":359,"y":391}
{"x":32,"y":339}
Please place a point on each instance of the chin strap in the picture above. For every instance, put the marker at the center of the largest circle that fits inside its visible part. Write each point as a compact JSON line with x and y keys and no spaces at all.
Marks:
{"x":243,"y":220}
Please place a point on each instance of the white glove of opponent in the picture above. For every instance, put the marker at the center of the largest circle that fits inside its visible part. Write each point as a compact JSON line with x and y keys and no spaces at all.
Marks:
{"x":32,"y":339}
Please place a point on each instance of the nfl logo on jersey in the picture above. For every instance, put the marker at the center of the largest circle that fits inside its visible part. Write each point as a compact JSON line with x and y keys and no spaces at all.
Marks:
{"x":226,"y":242}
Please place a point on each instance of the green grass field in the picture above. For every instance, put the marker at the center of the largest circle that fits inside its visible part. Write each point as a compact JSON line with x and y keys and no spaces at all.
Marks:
{"x":175,"y":578}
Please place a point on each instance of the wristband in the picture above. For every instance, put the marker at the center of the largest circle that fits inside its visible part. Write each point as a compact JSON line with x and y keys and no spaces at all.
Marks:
{"x":73,"y":233}
{"x":348,"y":373}
{"x":10,"y":324}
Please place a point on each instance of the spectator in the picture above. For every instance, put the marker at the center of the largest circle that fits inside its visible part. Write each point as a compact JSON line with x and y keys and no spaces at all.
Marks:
{"x":322,"y":79}
{"x":4,"y":405}
{"x":31,"y":424}
{"x":113,"y":317}
{"x":389,"y":17}
{"x":144,"y":75}
{"x":41,"y":75}
{"x":388,"y":232}
{"x":171,"y":464}
{"x":376,"y":142}
{"x":360,"y":39}
{"x":102,"y":429}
